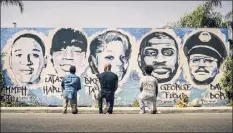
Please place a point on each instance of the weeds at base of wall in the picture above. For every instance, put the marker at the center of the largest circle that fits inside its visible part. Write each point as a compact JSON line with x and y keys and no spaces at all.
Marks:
{"x":230,"y":103}
{"x":14,"y":104}
{"x":135,"y":103}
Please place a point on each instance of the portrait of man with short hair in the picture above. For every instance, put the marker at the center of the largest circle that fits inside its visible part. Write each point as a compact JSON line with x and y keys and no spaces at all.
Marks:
{"x":68,"y":48}
{"x":160,"y":50}
{"x":27,"y":58}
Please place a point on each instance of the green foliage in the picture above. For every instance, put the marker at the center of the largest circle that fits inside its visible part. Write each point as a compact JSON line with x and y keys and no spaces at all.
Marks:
{"x":226,"y":80}
{"x":229,"y":103}
{"x":15,"y":104}
{"x":135,"y":103}
{"x":193,"y":19}
{"x":1,"y":83}
{"x":203,"y":16}
{"x":18,"y":3}
{"x":229,"y":16}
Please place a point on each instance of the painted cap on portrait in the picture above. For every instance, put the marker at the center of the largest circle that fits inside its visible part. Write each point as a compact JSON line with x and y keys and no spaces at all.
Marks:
{"x":205,"y":43}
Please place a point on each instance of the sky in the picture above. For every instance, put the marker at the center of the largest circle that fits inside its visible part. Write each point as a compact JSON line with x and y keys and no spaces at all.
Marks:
{"x":100,"y":14}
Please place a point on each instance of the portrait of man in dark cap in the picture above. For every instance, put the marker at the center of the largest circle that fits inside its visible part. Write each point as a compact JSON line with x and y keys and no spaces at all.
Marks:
{"x":205,"y":53}
{"x":160,"y":50}
{"x":68,"y":49}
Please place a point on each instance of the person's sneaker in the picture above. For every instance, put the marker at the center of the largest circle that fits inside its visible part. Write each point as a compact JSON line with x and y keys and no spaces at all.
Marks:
{"x":105,"y":111}
{"x":109,"y":113}
{"x":100,"y":112}
{"x":75,"y":111}
{"x":142,"y":112}
{"x":158,"y":112}
{"x":153,"y":112}
{"x":65,"y":111}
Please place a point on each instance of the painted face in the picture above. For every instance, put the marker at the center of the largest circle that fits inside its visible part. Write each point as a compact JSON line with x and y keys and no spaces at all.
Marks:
{"x":27,"y":60}
{"x":66,"y":57}
{"x":202,"y":67}
{"x":113,"y":53}
{"x":162,"y":54}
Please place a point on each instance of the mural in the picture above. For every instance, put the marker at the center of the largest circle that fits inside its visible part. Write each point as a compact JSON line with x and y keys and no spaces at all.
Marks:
{"x":186,"y":61}
{"x":160,"y":49}
{"x":205,"y":52}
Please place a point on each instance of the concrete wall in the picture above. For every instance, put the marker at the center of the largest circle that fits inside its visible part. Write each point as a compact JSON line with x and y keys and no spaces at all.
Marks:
{"x":186,"y":61}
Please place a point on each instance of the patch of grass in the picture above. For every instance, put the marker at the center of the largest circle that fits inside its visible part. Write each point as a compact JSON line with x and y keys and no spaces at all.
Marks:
{"x":14,"y":104}
{"x":135,"y":103}
{"x":229,"y":103}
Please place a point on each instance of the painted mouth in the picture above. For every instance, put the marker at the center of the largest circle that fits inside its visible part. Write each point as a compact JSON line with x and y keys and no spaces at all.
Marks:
{"x":65,"y":67}
{"x":202,"y":73}
{"x":28,"y":71}
{"x":201,"y":70}
{"x":161,"y":71}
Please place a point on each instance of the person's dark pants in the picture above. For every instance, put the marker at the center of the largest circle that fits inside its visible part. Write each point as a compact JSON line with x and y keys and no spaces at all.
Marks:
{"x":109,"y":101}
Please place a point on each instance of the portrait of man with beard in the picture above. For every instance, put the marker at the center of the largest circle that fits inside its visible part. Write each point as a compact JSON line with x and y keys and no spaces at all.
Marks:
{"x":205,"y":53}
{"x":111,"y":47}
{"x":160,"y":50}
{"x":69,"y":48}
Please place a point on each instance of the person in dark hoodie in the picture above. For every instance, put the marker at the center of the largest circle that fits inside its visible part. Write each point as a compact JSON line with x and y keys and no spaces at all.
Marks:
{"x":70,"y":85}
{"x":109,"y":84}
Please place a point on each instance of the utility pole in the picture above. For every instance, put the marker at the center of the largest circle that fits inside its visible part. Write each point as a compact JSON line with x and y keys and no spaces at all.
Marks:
{"x":15,"y":24}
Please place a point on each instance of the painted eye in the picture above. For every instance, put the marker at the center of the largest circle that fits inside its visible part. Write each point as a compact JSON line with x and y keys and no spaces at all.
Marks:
{"x":109,"y":57}
{"x":208,"y":60}
{"x":168,"y":52}
{"x":151,"y":53}
{"x":195,"y":60}
{"x":35,"y":55}
{"x":123,"y":57}
{"x":19,"y":55}
{"x":77,"y":52}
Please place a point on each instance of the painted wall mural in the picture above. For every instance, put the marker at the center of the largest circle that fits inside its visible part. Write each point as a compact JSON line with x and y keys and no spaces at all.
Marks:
{"x":186,"y":61}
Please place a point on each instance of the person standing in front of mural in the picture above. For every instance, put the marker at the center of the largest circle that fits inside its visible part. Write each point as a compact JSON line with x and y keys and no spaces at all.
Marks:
{"x":70,"y":85}
{"x":109,"y":84}
{"x":112,"y":47}
{"x":148,"y":91}
{"x":205,"y":53}
{"x":68,"y":48}
{"x":27,"y":58}
{"x":159,"y":50}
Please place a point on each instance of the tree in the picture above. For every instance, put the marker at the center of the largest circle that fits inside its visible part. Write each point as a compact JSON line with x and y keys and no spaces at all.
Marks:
{"x":203,"y":16}
{"x":226,"y":80}
{"x":21,"y":6}
{"x":215,"y":3}
{"x":211,"y":19}
{"x":13,"y":3}
{"x":229,"y":16}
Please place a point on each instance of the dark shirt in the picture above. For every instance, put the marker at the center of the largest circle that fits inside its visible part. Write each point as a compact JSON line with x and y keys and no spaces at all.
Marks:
{"x":108,"y":82}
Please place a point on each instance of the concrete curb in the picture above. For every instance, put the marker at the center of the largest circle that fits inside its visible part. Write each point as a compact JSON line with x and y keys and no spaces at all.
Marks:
{"x":117,"y":110}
